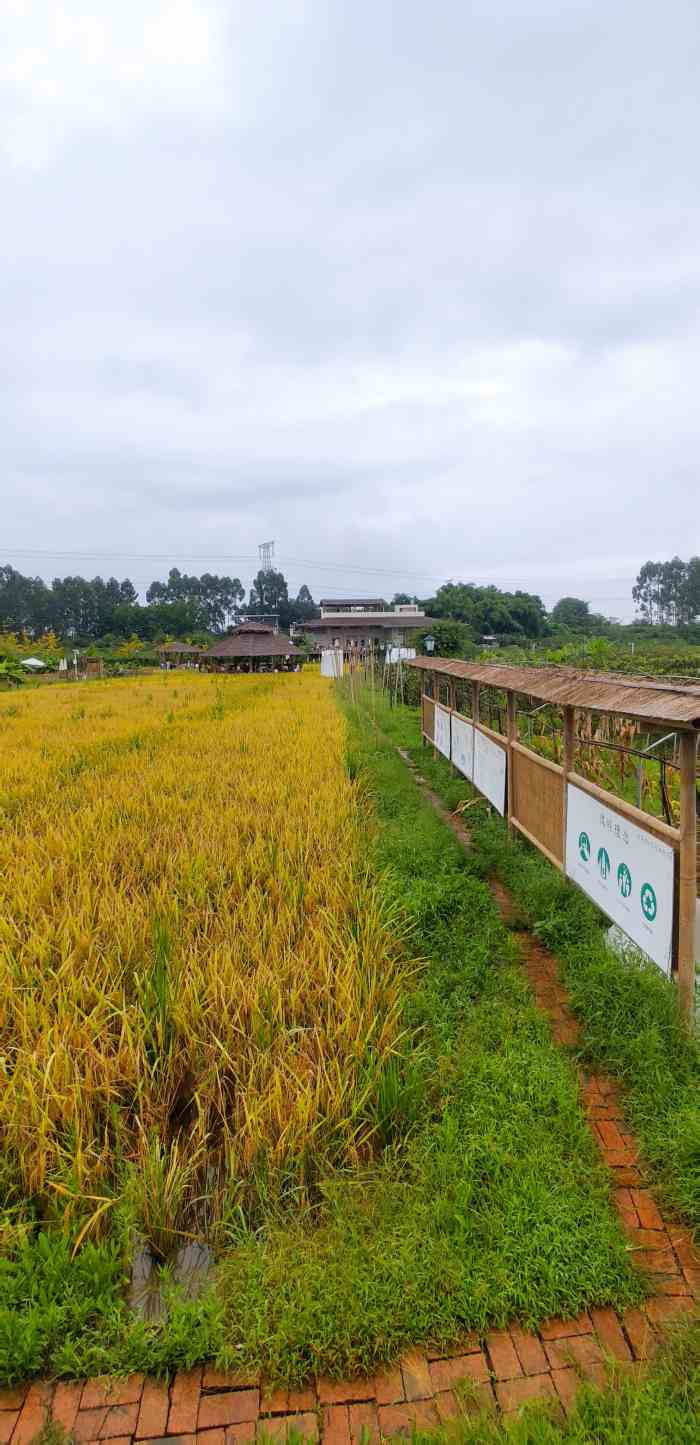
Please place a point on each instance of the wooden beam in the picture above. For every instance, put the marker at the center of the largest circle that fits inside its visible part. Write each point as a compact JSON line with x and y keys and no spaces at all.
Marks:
{"x":452,"y":699}
{"x":657,"y":826}
{"x":567,"y":764}
{"x":436,"y":696}
{"x":538,"y":845}
{"x":687,"y":875}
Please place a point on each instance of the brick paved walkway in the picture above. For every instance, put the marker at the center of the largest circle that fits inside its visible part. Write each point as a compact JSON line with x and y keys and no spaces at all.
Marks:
{"x":503,"y":1370}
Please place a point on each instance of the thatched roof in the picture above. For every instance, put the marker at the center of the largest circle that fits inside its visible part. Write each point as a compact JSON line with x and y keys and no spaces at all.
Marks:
{"x":652,"y":699}
{"x":182,"y":647}
{"x":253,"y":639}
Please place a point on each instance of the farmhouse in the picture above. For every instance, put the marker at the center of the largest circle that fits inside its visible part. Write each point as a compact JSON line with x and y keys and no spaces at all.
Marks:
{"x":253,"y":647}
{"x":358,"y":621}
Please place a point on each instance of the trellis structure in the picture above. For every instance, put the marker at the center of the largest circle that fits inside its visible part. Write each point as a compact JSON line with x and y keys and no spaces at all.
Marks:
{"x":535,"y":793}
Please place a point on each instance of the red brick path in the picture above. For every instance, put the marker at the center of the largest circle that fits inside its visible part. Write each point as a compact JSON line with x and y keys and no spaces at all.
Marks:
{"x":502,"y":1371}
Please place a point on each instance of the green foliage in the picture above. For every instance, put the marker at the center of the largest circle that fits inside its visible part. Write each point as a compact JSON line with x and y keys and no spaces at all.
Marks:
{"x":668,"y":591}
{"x":182,"y":607}
{"x":488,"y":610}
{"x":635,"y":649}
{"x":11,"y":672}
{"x":452,"y":639}
{"x":47,"y":1295}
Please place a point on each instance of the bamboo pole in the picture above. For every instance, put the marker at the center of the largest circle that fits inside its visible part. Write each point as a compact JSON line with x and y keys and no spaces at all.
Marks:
{"x":567,"y":765}
{"x":688,"y":874}
{"x":436,"y":697}
{"x":512,"y":737}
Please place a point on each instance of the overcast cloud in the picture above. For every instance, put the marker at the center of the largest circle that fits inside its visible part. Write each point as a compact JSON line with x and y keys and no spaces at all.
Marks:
{"x":411,"y":289}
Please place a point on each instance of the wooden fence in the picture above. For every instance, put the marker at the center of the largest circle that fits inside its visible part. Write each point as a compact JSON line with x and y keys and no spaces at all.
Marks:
{"x":535,"y":794}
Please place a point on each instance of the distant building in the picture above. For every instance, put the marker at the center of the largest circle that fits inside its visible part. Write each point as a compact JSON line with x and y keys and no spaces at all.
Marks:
{"x":361,"y":622}
{"x":253,"y":647}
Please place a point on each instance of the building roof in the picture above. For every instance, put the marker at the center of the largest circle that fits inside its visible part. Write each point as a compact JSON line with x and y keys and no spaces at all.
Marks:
{"x":254,"y":639}
{"x":374,"y":619}
{"x":377,"y":602}
{"x":650,"y":699}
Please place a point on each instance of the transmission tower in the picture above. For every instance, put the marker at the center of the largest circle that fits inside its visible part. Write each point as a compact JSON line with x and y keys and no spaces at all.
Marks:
{"x":267,"y":552}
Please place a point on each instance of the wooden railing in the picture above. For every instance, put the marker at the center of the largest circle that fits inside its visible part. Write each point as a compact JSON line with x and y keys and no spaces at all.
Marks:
{"x":534,"y":795}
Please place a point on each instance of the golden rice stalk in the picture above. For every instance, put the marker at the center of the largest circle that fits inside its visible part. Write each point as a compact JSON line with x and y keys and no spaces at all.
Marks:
{"x":191,"y":951}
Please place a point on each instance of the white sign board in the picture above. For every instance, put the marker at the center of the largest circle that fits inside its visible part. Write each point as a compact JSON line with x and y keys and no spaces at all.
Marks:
{"x":401,"y":654}
{"x":463,"y":746}
{"x":332,"y":662}
{"x":490,"y":770}
{"x":625,"y":870}
{"x":441,"y":733}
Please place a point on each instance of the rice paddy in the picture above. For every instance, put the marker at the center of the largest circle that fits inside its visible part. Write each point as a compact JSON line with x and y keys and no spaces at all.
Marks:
{"x":199,"y":983}
{"x":253,"y":994}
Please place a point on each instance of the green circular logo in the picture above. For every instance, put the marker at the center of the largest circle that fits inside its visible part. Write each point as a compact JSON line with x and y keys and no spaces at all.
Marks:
{"x":624,"y":880}
{"x":648,"y":901}
{"x":603,"y":862}
{"x":584,"y":846}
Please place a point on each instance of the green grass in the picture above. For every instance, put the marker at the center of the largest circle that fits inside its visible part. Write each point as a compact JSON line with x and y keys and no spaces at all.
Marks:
{"x":489,"y":1203}
{"x":630,"y":1021}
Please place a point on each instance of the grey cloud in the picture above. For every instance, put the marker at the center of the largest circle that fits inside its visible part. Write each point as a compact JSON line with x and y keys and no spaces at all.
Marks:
{"x":422,"y":292}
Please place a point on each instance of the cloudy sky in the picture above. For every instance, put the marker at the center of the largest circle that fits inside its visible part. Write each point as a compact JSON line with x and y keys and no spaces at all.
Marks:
{"x":411,"y":289}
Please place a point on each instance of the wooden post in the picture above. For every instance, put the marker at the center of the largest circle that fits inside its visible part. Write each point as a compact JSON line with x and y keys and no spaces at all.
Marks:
{"x":475,"y":702}
{"x":688,"y":875}
{"x":567,"y":764}
{"x":451,"y":693}
{"x":436,"y":699}
{"x":512,"y":737}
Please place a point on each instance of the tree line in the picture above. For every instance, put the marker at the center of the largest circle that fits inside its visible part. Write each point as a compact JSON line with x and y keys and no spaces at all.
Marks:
{"x":184,"y":606}
{"x":668,"y":592}
{"x":98,"y":609}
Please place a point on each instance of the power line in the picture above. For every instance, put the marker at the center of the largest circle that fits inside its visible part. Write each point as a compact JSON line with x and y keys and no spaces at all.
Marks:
{"x":193,"y":559}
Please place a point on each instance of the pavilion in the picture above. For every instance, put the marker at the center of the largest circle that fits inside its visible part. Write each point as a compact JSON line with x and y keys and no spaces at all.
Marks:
{"x":253,"y":647}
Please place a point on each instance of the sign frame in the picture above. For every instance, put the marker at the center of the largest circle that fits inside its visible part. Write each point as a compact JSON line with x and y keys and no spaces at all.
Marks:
{"x":628,"y":871}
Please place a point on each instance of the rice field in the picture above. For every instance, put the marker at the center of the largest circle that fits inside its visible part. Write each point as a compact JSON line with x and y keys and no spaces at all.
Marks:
{"x":200,"y":984}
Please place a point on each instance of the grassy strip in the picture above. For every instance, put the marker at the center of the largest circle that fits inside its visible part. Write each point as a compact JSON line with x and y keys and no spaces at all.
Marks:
{"x":495,"y":1204}
{"x":489,"y":1201}
{"x":631,"y":1025}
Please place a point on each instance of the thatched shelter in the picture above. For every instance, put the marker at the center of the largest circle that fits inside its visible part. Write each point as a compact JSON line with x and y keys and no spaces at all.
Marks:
{"x":180,"y":654}
{"x":253,"y":647}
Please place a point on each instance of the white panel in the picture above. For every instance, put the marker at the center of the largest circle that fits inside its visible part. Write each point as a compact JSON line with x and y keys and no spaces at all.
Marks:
{"x":490,"y":770}
{"x":332,"y":662}
{"x":625,"y":870}
{"x":463,"y":746}
{"x":442,"y":730}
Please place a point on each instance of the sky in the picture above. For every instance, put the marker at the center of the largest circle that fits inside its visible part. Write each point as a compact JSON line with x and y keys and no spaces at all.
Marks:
{"x":410,"y":289}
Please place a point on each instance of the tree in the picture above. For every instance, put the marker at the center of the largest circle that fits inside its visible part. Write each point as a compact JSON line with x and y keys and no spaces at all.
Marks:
{"x":488,"y":610}
{"x":572,"y":612}
{"x":268,"y":593}
{"x":668,"y":592}
{"x":303,"y":608}
{"x":452,"y":639}
{"x":215,"y":600}
{"x":692,"y":589}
